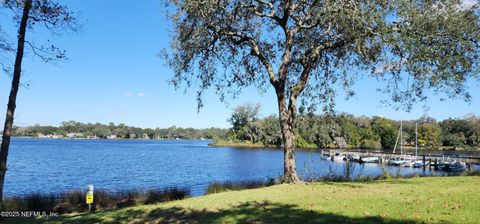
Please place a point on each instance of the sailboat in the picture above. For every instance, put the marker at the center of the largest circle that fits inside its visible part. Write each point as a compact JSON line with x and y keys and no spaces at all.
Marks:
{"x":402,"y":160}
{"x":417,"y":163}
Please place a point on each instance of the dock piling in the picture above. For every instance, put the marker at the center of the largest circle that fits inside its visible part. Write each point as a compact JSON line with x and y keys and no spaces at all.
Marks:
{"x":423,"y":160}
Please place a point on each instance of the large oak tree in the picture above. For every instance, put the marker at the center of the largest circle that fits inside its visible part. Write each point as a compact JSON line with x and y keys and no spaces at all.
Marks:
{"x":43,"y":14}
{"x":306,"y":49}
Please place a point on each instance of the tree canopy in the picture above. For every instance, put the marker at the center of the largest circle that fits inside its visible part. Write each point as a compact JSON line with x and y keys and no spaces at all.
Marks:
{"x":308,"y":48}
{"x":360,"y":132}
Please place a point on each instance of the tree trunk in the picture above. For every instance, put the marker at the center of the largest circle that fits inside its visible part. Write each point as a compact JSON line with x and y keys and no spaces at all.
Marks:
{"x":7,"y":130}
{"x":287,"y":127}
{"x":289,"y":165}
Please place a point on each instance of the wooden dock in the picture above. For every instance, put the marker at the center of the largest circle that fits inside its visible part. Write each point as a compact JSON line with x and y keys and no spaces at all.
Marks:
{"x":431,"y":160}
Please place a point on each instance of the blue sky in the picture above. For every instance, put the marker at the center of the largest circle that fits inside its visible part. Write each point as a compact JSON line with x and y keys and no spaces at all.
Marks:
{"x":115,"y":75}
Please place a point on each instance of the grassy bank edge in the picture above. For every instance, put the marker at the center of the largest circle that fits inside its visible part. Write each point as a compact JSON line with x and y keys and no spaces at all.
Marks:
{"x":247,"y":145}
{"x":416,"y":200}
{"x":240,"y":145}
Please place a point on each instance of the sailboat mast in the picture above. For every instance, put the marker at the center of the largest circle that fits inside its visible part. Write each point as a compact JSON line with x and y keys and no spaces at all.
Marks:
{"x":396,"y":142}
{"x":416,"y":140}
{"x":401,"y":137}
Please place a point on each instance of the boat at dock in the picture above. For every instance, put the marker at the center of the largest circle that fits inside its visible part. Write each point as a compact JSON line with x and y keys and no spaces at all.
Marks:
{"x":406,"y":160}
{"x":399,"y":161}
{"x":453,"y":166}
{"x":353,"y":158}
{"x":338,"y":157}
{"x":325,"y":156}
{"x":418,"y":164}
{"x":370,"y":159}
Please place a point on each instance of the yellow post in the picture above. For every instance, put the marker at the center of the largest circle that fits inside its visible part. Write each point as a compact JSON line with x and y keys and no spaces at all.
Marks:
{"x":89,"y":198}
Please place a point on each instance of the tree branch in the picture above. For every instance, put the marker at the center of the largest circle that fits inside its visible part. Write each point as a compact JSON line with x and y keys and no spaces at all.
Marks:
{"x":286,"y":14}
{"x":287,"y":54}
{"x":256,"y":52}
{"x":258,"y":12}
{"x":45,"y":54}
{"x":298,"y":88}
{"x":34,"y":49}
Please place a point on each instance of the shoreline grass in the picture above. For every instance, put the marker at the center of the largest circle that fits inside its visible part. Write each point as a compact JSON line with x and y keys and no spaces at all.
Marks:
{"x":248,"y":144}
{"x":414,"y":200}
{"x":74,"y":201}
{"x":240,"y":144}
{"x":219,"y":187}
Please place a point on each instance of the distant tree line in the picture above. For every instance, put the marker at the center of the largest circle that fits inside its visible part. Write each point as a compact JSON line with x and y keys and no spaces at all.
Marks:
{"x":348,"y":131}
{"x":313,"y":131}
{"x":74,"y":129}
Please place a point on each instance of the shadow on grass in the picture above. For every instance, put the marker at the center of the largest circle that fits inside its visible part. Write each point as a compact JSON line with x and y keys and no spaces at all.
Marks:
{"x":249,"y":212}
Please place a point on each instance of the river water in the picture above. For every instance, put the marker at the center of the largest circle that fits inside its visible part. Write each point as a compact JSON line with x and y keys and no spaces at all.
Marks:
{"x":58,"y":165}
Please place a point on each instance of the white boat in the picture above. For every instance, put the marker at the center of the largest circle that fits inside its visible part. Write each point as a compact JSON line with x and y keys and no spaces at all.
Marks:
{"x":370,"y":159}
{"x":399,"y":161}
{"x":355,"y":158}
{"x":408,"y":164}
{"x":417,"y":163}
{"x":325,"y":156}
{"x":338,"y":157}
{"x":352,"y":158}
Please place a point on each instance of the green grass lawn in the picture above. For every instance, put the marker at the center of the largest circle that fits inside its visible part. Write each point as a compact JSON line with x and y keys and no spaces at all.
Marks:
{"x":416,"y":200}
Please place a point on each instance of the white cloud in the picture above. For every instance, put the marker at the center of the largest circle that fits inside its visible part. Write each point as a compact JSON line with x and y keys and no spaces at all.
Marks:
{"x":130,"y":94}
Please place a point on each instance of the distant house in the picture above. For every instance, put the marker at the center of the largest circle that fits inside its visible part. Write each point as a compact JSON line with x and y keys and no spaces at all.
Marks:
{"x":53,"y":136}
{"x":74,"y":135}
{"x":113,"y":136}
{"x":133,"y":136}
